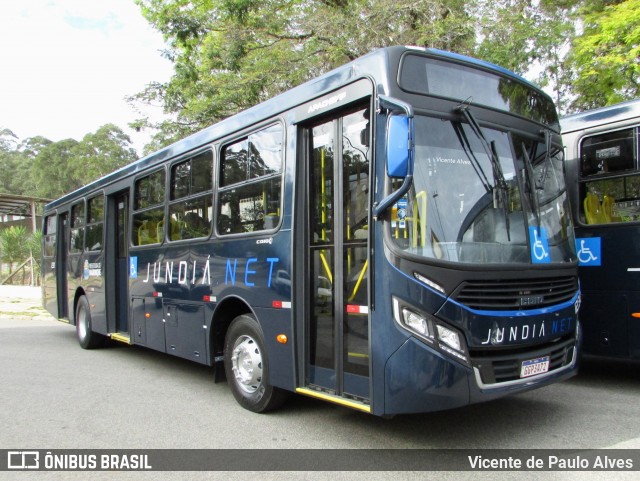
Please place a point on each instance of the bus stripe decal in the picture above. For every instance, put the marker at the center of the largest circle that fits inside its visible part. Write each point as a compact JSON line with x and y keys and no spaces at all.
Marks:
{"x":354,"y":309}
{"x":281,"y":305}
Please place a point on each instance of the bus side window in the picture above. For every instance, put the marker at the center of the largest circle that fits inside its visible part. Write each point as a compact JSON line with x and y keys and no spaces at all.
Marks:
{"x":50,"y":236}
{"x":190,"y":209}
{"x":611,"y":200}
{"x":76,"y":244}
{"x":95,"y":212}
{"x":610,"y":187}
{"x":148,"y":209}
{"x":251,"y":183}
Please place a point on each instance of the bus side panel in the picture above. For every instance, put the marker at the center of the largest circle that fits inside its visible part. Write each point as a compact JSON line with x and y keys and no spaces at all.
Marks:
{"x":185,"y":333}
{"x":634,"y":326}
{"x":93,"y":287}
{"x":281,"y":356}
{"x":74,"y":282}
{"x":604,"y":320}
{"x":611,"y":292}
{"x":148,"y":323}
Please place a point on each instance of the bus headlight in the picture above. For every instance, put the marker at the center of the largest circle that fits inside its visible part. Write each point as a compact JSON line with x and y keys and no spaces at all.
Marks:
{"x":449,"y":337}
{"x":450,"y":342}
{"x":415,"y":322}
{"x":431,"y":330}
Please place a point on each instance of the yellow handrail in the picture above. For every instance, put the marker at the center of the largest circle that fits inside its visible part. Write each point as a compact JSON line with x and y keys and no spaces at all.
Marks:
{"x":420,"y":208}
{"x":359,"y":281}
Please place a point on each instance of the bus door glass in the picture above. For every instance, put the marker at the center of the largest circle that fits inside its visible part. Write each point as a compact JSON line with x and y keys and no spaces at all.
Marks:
{"x":337,"y":267}
{"x":61,"y":266}
{"x":122,"y":277}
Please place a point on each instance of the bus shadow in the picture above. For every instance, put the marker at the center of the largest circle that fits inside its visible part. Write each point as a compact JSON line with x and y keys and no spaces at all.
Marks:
{"x":608,"y":373}
{"x":496,"y":424}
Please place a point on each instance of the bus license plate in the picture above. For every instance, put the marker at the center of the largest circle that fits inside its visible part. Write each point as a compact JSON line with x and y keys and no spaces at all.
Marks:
{"x":534,"y":366}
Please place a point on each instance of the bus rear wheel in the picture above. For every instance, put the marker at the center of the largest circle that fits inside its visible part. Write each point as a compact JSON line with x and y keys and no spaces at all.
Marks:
{"x":247,"y":367}
{"x":86,"y":337}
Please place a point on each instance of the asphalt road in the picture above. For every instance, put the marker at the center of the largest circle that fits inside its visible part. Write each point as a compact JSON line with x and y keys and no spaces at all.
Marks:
{"x":54,"y":395}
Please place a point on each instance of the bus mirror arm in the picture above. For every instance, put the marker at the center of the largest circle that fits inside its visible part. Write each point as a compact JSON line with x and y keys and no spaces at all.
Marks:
{"x":390,"y":104}
{"x":384,"y":204}
{"x":400,"y":150}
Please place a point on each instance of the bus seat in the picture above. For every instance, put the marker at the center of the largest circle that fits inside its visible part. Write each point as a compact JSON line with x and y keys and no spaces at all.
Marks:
{"x":593,"y":210}
{"x":607,"y":208}
{"x":160,"y":230}
{"x":176,"y":227}
{"x":147,"y":233}
{"x":362,"y":232}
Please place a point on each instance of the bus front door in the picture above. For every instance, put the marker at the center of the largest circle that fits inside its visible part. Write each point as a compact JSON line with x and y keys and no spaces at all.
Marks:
{"x":336,"y":280}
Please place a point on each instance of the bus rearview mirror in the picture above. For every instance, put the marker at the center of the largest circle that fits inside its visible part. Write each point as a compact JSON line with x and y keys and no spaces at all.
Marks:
{"x":398,"y":147}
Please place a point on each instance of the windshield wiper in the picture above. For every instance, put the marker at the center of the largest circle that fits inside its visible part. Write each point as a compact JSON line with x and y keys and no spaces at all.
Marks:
{"x":501,"y":188}
{"x":475,"y":163}
{"x":547,"y":159}
{"x":533,"y":185}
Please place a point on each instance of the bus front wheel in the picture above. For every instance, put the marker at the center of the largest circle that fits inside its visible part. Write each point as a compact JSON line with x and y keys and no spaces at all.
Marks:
{"x":247,"y":367}
{"x":86,"y":337}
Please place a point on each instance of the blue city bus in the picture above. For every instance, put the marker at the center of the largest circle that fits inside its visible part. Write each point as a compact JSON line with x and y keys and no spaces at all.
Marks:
{"x":604,"y":184}
{"x":393,"y":236}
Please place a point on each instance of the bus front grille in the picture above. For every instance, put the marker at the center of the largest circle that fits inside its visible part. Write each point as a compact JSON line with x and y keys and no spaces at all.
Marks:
{"x":516,"y":294}
{"x":506,"y":366}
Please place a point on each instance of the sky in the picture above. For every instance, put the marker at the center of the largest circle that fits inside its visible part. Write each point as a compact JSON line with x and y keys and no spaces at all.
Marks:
{"x":66,"y":67}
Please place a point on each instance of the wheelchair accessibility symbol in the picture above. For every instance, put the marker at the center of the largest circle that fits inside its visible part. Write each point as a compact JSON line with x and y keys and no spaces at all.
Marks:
{"x":133,"y":267}
{"x":539,"y":245}
{"x":589,"y":251}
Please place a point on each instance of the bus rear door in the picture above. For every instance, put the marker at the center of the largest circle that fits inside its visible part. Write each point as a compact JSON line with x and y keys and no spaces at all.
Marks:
{"x":117,"y":273}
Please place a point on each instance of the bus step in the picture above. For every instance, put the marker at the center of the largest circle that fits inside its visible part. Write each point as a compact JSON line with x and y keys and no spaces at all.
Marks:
{"x":116,"y":336}
{"x":334,"y":399}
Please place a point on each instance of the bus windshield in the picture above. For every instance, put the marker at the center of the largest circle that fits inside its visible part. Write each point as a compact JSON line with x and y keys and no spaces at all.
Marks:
{"x":467,"y":205}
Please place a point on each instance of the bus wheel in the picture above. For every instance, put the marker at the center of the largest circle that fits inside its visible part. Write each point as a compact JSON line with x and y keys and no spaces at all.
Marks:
{"x":247,"y":367}
{"x":86,"y":337}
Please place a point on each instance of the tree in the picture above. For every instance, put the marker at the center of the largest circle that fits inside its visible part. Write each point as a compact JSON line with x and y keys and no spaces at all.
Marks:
{"x":532,"y":39}
{"x":100,"y":153}
{"x":17,"y":246}
{"x":7,"y":139}
{"x":50,"y":169}
{"x":14,"y":245}
{"x":9,"y":160}
{"x":232,"y":54}
{"x":61,"y":167}
{"x":605,"y":58}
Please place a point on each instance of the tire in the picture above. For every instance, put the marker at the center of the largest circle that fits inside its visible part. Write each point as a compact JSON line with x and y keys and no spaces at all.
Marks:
{"x":86,"y":337}
{"x":247,"y":367}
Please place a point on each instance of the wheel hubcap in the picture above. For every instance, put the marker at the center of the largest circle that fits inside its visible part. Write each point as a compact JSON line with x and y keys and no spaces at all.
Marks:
{"x":82,"y":323}
{"x":246,"y":363}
